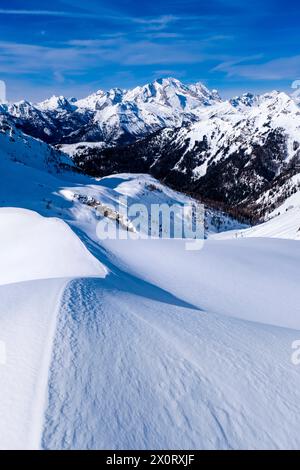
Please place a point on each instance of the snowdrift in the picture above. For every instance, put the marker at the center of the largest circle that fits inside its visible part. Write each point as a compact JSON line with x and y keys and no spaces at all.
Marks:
{"x":34,"y":247}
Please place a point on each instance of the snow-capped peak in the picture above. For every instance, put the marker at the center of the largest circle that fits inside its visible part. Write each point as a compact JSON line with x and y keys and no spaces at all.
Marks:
{"x":272,"y":102}
{"x":173,"y":93}
{"x":245,"y":100}
{"x":166,"y":92}
{"x":55,"y":103}
{"x":91,"y":101}
{"x":277,"y":102}
{"x":20,"y":109}
{"x":116,"y":115}
{"x":211,"y":96}
{"x":126,"y":114}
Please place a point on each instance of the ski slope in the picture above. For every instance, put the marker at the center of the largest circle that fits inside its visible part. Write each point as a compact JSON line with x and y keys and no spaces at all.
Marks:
{"x":139,"y":344}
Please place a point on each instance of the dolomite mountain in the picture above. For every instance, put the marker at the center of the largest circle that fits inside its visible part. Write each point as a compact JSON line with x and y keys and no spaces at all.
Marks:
{"x":241,"y":155}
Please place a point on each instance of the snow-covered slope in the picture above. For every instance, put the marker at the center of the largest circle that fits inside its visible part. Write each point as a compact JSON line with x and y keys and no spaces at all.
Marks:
{"x":40,"y":248}
{"x":231,"y":156}
{"x":228,"y":152}
{"x":137,"y":344}
{"x":20,"y":148}
{"x":283,"y":221}
{"x":286,"y":225}
{"x":37,"y":258}
{"x":134,"y":368}
{"x":28,"y":315}
{"x":56,"y":103}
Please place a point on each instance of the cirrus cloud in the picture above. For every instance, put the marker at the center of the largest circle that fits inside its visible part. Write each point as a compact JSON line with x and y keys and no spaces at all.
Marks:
{"x":283,"y":68}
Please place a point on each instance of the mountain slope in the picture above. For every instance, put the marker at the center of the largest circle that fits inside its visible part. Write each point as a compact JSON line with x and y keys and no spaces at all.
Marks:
{"x":230,"y":156}
{"x":228,"y":153}
{"x":21,"y":148}
{"x":282,"y":203}
{"x":144,"y":344}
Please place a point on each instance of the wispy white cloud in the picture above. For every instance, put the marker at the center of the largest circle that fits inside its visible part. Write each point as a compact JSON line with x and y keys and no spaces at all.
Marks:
{"x":81,"y":55}
{"x":169,"y":73}
{"x":68,"y":14}
{"x":284,"y":68}
{"x":152,"y":22}
{"x":149,"y":23}
{"x":163,"y":35}
{"x":157,"y":23}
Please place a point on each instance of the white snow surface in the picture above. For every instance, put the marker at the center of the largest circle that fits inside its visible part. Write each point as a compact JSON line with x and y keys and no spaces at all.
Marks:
{"x":28,"y":316}
{"x":37,"y":256}
{"x":138,"y":344}
{"x":285,"y":225}
{"x":41,"y":248}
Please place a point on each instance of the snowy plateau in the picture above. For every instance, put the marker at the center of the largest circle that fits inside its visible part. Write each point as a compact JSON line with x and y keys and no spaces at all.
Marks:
{"x":140,"y":343}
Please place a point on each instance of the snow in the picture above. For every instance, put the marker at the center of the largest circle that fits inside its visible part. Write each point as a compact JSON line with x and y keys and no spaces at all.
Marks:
{"x":223,"y":276}
{"x":134,"y":369}
{"x":18,"y":147}
{"x":75,"y":149}
{"x":56,"y":103}
{"x":28,"y":315}
{"x":41,"y":248}
{"x":285,"y":225}
{"x":138,"y":344}
{"x":165,"y":92}
{"x":164,"y":103}
{"x":37,"y":256}
{"x":230,"y":127}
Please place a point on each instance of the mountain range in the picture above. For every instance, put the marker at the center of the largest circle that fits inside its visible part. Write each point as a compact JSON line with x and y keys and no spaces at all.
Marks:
{"x":233,"y":154}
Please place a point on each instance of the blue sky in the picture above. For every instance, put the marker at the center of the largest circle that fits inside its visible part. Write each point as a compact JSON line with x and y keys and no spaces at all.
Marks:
{"x":74,"y":47}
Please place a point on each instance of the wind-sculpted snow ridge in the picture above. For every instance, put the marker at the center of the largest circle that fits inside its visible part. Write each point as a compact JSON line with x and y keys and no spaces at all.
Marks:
{"x":40,"y":248}
{"x":168,"y":365}
{"x":137,"y":370}
{"x":37,"y":257}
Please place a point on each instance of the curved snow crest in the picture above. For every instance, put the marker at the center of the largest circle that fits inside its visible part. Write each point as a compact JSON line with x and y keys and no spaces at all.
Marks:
{"x":38,"y":256}
{"x":163,"y":376}
{"x":28,"y":318}
{"x":35,"y":247}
